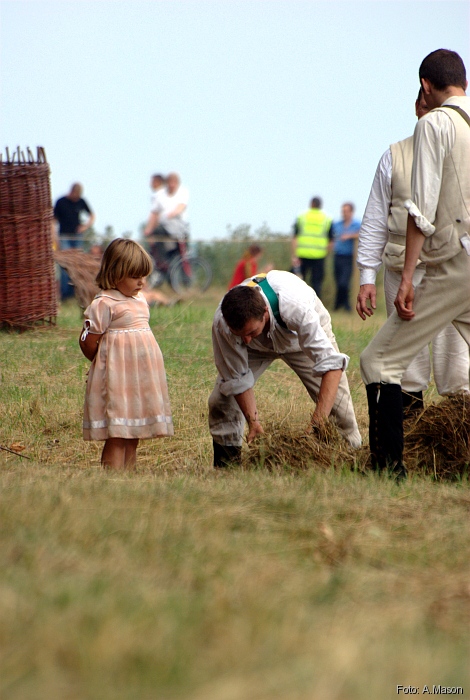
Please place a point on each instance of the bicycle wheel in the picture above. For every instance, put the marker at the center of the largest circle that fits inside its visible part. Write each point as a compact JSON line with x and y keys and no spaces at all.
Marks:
{"x":192,"y":277}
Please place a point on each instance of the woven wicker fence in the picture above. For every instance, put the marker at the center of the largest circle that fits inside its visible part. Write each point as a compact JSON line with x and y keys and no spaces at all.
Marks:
{"x":28,"y":293}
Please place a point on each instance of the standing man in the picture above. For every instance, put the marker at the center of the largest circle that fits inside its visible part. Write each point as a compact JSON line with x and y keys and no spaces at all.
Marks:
{"x":267,"y":318}
{"x":438,"y":233}
{"x":312,"y":234}
{"x":345,"y":233}
{"x":168,"y":216}
{"x":382,"y":238}
{"x":74,"y":217}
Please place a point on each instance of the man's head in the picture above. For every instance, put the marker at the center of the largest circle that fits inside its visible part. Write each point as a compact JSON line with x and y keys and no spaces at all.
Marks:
{"x":316,"y":203}
{"x":347,"y":211}
{"x":76,"y":192}
{"x":172,"y":183}
{"x":157,"y":181}
{"x":421,"y":108}
{"x":442,"y":73}
{"x":254,"y":251}
{"x":245,"y":312}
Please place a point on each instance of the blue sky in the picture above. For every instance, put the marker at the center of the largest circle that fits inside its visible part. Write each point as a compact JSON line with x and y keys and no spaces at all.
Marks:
{"x":259,"y":105}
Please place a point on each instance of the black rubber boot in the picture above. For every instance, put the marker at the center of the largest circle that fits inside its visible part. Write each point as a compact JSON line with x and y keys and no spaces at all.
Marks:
{"x":372,"y":402}
{"x":413,"y":403}
{"x":226,"y":455}
{"x":386,"y":429}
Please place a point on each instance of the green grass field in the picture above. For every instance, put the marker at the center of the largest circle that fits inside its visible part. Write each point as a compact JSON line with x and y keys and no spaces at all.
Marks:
{"x":179,"y":581}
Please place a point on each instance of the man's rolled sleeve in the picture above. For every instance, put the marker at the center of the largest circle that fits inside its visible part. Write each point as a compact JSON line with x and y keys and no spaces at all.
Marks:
{"x":237,"y":385}
{"x":336,"y":361}
{"x":425,"y":226}
{"x":314,"y":341}
{"x":433,"y":140}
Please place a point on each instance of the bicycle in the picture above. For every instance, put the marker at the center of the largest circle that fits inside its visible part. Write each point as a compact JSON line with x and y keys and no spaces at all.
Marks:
{"x":185,"y":272}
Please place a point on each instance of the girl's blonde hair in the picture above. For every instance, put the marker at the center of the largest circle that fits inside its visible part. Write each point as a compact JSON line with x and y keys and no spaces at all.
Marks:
{"x":123,"y":258}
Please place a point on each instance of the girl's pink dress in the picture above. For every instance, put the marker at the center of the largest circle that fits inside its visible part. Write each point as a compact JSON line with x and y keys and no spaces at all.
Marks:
{"x":126,"y":392}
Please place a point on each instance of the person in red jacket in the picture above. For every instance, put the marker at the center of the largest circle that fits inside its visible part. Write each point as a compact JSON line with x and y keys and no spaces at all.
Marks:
{"x":247,"y":266}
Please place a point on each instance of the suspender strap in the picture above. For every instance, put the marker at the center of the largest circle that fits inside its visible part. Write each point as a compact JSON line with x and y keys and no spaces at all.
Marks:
{"x":459,"y":110}
{"x":271,"y":296}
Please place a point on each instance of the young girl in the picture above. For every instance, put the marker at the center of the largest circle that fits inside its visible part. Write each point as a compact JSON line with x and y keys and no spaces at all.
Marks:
{"x":126,"y":394}
{"x":247,"y":266}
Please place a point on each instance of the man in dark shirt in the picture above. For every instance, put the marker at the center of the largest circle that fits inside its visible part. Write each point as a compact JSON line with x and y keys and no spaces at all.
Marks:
{"x":74,"y":217}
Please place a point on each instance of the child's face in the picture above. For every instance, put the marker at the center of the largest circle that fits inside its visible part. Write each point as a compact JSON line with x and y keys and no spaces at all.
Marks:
{"x":130,"y":286}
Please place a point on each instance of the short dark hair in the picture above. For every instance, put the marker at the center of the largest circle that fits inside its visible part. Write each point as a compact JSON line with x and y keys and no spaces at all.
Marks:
{"x":255,"y":249}
{"x":443,"y":68}
{"x":420,"y":94}
{"x":316,"y":203}
{"x":242,"y":304}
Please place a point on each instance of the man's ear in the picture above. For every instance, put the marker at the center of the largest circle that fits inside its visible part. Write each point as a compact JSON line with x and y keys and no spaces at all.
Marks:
{"x":426,"y":85}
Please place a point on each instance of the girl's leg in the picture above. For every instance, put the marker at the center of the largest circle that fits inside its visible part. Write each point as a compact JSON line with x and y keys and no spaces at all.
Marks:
{"x":119,"y":453}
{"x":114,"y":454}
{"x":130,"y":458}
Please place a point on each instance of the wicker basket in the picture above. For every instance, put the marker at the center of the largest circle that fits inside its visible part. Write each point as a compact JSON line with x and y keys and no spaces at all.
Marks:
{"x":28,"y":290}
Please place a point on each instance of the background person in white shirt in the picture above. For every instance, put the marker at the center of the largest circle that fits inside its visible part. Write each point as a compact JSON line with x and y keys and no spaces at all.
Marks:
{"x":157,"y":183}
{"x":438,"y":233}
{"x":382,"y":238}
{"x":168,"y":216}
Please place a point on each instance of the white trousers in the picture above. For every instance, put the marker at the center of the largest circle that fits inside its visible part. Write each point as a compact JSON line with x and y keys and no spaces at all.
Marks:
{"x":450,"y":354}
{"x":441,"y":298}
{"x":227,"y":422}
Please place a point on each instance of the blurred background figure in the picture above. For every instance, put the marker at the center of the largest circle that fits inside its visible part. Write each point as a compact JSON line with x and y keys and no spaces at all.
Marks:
{"x":168,"y":220}
{"x":96,"y":252}
{"x":345,"y":233}
{"x":157,"y":184}
{"x":74,"y":217}
{"x":247,"y":266}
{"x":312,"y":234}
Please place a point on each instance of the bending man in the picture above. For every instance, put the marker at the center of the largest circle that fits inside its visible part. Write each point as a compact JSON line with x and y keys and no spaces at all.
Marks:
{"x":255,"y":324}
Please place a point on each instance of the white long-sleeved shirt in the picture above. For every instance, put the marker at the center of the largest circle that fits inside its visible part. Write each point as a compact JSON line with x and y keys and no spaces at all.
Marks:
{"x":373,"y":234}
{"x":434,"y":138}
{"x":308,"y":330}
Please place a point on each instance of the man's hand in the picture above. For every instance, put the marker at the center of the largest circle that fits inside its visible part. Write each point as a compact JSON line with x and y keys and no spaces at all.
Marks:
{"x":247,"y":404}
{"x":255,"y":429}
{"x":367,"y":293}
{"x":295,"y":261}
{"x":406,"y":293}
{"x":404,"y":300}
{"x":318,"y":425}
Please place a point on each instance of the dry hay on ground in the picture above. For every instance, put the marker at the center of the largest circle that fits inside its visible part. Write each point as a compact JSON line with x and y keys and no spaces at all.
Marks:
{"x":295,"y":450}
{"x":437,"y":441}
{"x":82,"y":269}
